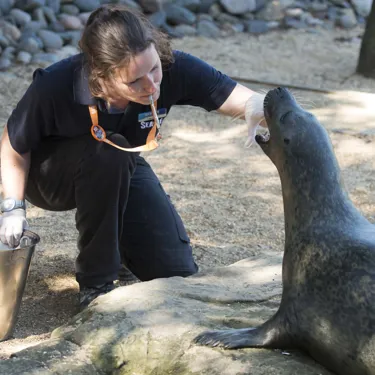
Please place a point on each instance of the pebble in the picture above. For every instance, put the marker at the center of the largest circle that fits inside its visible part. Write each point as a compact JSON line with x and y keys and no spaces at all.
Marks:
{"x":29,"y":44}
{"x":208,"y":29}
{"x":21,"y":17}
{"x":70,"y":22}
{"x":50,"y":39}
{"x":87,"y":5}
{"x":5,"y":63}
{"x":24,"y":57}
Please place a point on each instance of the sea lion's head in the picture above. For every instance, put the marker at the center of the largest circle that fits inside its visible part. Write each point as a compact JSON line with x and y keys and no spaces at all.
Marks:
{"x":295,"y":136}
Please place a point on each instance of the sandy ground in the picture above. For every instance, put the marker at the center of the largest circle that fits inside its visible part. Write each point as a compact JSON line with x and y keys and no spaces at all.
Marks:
{"x":229,"y":197}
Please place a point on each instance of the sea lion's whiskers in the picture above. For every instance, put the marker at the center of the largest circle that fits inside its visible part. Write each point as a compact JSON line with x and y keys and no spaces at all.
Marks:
{"x":302,"y":100}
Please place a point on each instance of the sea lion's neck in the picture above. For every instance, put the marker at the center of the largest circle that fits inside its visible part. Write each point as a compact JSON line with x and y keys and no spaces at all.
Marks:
{"x":313,"y":194}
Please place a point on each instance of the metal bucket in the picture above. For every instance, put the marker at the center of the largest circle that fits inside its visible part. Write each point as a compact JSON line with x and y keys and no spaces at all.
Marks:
{"x":14,"y":269}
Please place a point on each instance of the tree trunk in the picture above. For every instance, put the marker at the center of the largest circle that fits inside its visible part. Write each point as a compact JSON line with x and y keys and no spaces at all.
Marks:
{"x":366,"y":61}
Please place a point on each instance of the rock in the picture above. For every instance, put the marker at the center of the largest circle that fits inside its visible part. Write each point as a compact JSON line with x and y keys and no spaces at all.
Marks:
{"x":177,"y":15}
{"x":51,"y":40}
{"x":29,"y":44}
{"x":71,"y":37}
{"x":340,"y":3}
{"x":332,"y":13}
{"x":192,"y":5}
{"x":147,"y":329}
{"x":9,"y":53}
{"x":361,"y":20}
{"x":238,"y":6}
{"x":4,"y":42}
{"x":71,"y":9}
{"x":310,"y":20}
{"x":49,"y":15}
{"x":233,"y":28}
{"x":24,"y":57}
{"x":248,"y":16}
{"x":87,"y":5}
{"x":292,"y":23}
{"x":317,"y":6}
{"x":6,"y":6}
{"x":227,"y":18}
{"x":272,"y":12}
{"x":256,"y":27}
{"x":131,"y":4}
{"x":158,"y":18}
{"x":347,"y":19}
{"x":215,"y":11}
{"x":206,"y":5}
{"x":11,"y":32}
{"x":20,"y":16}
{"x":151,"y":6}
{"x":33,"y":26}
{"x":362,"y":7}
{"x":260,"y":4}
{"x":70,"y":22}
{"x":273,"y":25}
{"x":205,"y":17}
{"x":57,"y":27}
{"x":28,"y":5}
{"x":54,"y":5}
{"x":38,"y":15}
{"x":84,"y":17}
{"x":294,"y":12}
{"x":186,"y":30}
{"x":45,"y":58}
{"x":208,"y":29}
{"x":5,"y":63}
{"x":286,"y":3}
{"x":171,"y":31}
{"x":67,"y":51}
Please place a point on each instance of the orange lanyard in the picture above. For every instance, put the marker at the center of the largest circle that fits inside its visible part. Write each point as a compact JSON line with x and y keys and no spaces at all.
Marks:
{"x":100,"y":135}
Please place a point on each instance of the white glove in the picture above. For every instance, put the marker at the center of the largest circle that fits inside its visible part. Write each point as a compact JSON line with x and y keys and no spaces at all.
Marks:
{"x":12,"y":225}
{"x":254,"y":116}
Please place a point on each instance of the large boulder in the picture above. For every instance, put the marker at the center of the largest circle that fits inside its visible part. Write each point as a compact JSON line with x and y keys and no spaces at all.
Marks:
{"x":148,"y":328}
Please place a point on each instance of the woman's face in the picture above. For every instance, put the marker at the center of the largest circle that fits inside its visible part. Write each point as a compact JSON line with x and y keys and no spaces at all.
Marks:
{"x":138,"y":80}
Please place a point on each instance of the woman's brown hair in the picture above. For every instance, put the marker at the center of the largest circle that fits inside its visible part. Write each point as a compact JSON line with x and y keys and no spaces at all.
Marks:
{"x":112,"y":36}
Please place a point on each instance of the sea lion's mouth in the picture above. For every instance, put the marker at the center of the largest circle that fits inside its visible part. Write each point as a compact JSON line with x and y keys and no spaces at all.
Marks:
{"x":263,"y":138}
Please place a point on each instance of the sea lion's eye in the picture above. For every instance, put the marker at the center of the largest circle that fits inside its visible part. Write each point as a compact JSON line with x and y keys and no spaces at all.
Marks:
{"x":286,"y":141}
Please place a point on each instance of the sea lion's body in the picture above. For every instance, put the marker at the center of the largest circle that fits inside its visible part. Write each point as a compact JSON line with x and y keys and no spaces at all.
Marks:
{"x":328,"y":301}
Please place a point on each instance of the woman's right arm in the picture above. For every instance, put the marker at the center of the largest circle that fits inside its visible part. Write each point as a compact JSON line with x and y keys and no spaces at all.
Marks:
{"x":14,"y":169}
{"x":14,"y":172}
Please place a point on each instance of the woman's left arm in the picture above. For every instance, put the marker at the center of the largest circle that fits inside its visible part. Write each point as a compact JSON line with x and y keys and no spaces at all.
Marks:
{"x":238,"y":102}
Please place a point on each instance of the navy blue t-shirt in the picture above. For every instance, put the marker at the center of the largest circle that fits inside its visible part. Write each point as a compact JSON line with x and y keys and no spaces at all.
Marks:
{"x":56,"y":103}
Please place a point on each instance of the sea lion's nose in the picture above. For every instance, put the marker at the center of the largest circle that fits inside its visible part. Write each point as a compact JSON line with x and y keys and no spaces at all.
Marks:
{"x":281,"y":92}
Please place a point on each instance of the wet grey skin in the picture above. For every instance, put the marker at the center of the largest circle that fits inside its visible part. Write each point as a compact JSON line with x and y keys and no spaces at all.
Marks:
{"x":327,"y":307}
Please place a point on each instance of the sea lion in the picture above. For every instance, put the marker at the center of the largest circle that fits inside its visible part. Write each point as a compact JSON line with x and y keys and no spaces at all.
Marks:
{"x":328,"y":301}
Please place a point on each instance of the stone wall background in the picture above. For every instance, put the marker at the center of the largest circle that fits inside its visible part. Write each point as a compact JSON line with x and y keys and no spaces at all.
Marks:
{"x":44,"y":31}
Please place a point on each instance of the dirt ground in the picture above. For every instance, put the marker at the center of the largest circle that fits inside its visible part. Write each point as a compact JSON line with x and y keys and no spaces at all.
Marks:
{"x":228,"y":196}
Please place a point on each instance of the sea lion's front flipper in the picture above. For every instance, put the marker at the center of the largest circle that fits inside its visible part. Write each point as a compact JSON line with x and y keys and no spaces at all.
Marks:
{"x":269,"y":335}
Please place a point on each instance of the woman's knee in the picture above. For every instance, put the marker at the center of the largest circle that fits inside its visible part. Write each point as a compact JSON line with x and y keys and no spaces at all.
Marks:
{"x":104,"y":155}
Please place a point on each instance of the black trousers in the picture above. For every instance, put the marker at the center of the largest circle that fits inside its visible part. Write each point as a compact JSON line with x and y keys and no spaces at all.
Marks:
{"x":123,"y":214}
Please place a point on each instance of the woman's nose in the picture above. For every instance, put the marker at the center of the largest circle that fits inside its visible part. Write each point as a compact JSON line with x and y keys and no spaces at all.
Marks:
{"x":150,"y":85}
